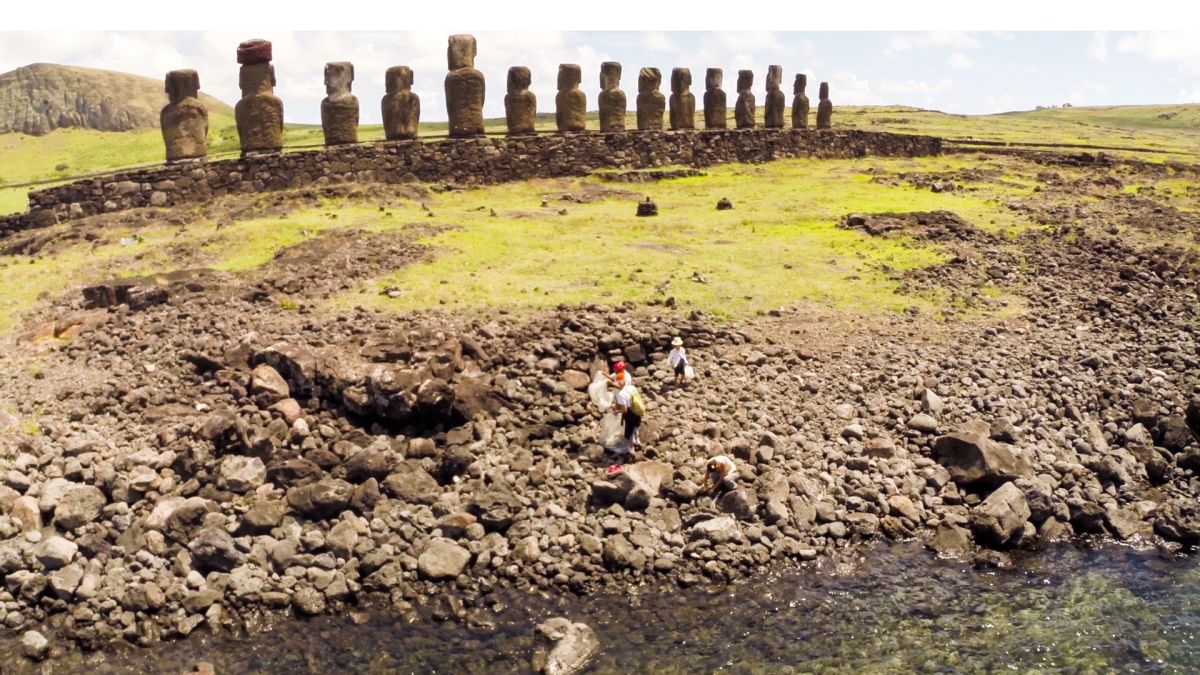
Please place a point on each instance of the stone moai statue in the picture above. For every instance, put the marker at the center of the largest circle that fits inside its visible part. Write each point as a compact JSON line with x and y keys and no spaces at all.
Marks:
{"x":612,"y":99}
{"x":520,"y":104}
{"x":683,"y":103}
{"x":401,"y":107}
{"x":259,"y":113}
{"x":800,"y":102}
{"x":775,"y":102}
{"x":650,"y":101}
{"x":464,"y":88}
{"x":714,"y":99}
{"x":184,"y":120}
{"x":339,"y":109}
{"x":743,"y":110}
{"x":570,"y":105}
{"x":824,"y":108}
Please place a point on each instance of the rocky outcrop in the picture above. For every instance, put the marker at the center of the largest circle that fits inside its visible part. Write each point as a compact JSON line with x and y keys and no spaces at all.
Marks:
{"x":41,"y":97}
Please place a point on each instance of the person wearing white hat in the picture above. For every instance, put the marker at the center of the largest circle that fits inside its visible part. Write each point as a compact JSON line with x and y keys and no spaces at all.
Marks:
{"x":678,"y":360}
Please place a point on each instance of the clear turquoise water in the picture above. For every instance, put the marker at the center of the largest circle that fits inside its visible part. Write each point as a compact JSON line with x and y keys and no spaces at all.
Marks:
{"x":896,"y":609}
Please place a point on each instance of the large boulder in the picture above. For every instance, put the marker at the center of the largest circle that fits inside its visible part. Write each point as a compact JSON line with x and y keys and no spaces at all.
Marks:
{"x":1001,"y":517}
{"x":442,"y":559}
{"x":633,"y":486}
{"x":55,"y":552}
{"x":412,"y":483}
{"x":1179,"y":520}
{"x":719,"y":530}
{"x":79,"y":506}
{"x":496,"y":508}
{"x":267,"y":385}
{"x":564,"y":648}
{"x":323,"y":499}
{"x":214,"y":550}
{"x":973,"y":459}
{"x":241,"y":474}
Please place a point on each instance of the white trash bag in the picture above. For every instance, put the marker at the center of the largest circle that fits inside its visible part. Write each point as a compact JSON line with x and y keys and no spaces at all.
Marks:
{"x":612,"y":430}
{"x":689,"y":372}
{"x":601,"y":397}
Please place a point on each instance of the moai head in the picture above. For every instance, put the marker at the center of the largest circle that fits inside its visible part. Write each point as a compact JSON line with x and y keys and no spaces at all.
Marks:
{"x":713,"y":77}
{"x":649,"y":80}
{"x":254,"y":51}
{"x":181,"y":84}
{"x":338,"y":77}
{"x":799,"y":85}
{"x":398,"y":78}
{"x":774,"y":77}
{"x":461,"y":52}
{"x":681,"y":79}
{"x":519,"y":79}
{"x":824,"y":91}
{"x":256,"y":78}
{"x":610,"y":75}
{"x":745,"y":80}
{"x":569,"y":76}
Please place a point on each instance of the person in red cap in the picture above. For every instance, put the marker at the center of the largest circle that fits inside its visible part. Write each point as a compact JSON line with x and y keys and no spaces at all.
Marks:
{"x":620,"y":377}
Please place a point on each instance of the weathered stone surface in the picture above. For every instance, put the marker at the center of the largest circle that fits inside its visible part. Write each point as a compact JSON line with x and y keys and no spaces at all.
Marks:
{"x":184,"y":120}
{"x":775,"y":101}
{"x":339,"y":108}
{"x":683,"y":103}
{"x":54,"y":552}
{"x":213,"y":550}
{"x":633,"y":486}
{"x":259,"y":112}
{"x":564,"y":648}
{"x":612,"y":99}
{"x":650,"y":101}
{"x":719,"y":530}
{"x":570,"y":105}
{"x":974,"y":459}
{"x":268,"y":384}
{"x":800,"y":102}
{"x":824,"y":108}
{"x":412,"y":483}
{"x":464,"y":88}
{"x":1179,"y":520}
{"x":323,"y":499}
{"x":401,"y":105}
{"x":951,"y":540}
{"x":26,"y":512}
{"x":442,"y":559}
{"x":744,"y":110}
{"x":620,"y":553}
{"x":520,"y":104}
{"x":34,"y":645}
{"x":79,"y":506}
{"x":241,"y":474}
{"x":1000,"y":518}
{"x":714,"y":100}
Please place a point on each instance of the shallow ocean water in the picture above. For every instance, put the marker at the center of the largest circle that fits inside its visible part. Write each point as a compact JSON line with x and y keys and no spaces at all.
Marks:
{"x":895,"y":609}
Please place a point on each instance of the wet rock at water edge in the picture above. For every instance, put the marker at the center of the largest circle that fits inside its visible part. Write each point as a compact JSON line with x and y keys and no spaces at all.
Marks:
{"x":564,"y":648}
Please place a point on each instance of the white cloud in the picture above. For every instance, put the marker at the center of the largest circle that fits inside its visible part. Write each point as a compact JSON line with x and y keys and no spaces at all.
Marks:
{"x":845,"y":88}
{"x":1179,"y":48}
{"x":758,"y":42}
{"x":1192,"y":96}
{"x":659,"y":42}
{"x":904,"y":42}
{"x":911,"y":86}
{"x":960,"y":61}
{"x":1098,"y":47}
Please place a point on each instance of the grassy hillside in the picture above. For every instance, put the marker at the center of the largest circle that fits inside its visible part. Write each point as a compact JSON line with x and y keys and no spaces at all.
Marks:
{"x":1172,"y":130}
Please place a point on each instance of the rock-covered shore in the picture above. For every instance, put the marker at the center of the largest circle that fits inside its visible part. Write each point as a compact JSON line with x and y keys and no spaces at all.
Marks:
{"x":200,"y":460}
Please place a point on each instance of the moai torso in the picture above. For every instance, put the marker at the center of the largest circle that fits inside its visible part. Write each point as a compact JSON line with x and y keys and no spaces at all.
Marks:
{"x":773,"y":106}
{"x":464,"y":88}
{"x":520,"y":104}
{"x":743,"y":110}
{"x":570,"y":105}
{"x":401,"y":107}
{"x":612,"y":99}
{"x":184,"y":120}
{"x":800,"y":103}
{"x":259,"y":113}
{"x":339,"y":109}
{"x":714,"y":100}
{"x":683,"y":103}
{"x":650,"y":101}
{"x":824,"y":108}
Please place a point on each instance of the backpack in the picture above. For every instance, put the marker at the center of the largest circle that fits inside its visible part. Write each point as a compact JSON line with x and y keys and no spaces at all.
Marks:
{"x":636,"y":405}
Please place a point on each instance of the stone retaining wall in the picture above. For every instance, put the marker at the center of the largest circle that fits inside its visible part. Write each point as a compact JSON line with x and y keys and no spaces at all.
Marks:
{"x":470,"y":161}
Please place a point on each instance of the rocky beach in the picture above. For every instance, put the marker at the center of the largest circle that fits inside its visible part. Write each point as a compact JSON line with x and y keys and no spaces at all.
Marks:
{"x":207,"y":460}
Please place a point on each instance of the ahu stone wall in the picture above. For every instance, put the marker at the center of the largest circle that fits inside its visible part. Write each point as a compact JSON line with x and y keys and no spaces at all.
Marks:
{"x":465,"y":161}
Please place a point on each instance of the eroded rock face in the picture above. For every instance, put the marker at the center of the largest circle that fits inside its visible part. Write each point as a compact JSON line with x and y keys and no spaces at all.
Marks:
{"x":570,"y":111}
{"x":184,"y":120}
{"x":714,"y":100}
{"x":339,"y":108}
{"x":650,"y":101}
{"x":401,"y":105}
{"x":464,"y":88}
{"x":259,"y":113}
{"x":683,"y":103}
{"x":520,"y":104}
{"x":612,"y":99}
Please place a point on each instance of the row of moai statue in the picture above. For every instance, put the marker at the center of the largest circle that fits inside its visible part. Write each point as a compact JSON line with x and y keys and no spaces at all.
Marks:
{"x":259,"y":112}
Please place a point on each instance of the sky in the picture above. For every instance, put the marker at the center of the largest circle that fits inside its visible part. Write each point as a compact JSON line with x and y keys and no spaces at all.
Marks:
{"x":952,"y":71}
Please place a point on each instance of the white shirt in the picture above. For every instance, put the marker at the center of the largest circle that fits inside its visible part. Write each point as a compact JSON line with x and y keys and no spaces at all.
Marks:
{"x":627,"y":381}
{"x":677,"y":354}
{"x":625,"y":396}
{"x":729,"y":468}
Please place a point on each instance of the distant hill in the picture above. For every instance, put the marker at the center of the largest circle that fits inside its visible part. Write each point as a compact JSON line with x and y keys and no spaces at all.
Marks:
{"x":41,"y":97}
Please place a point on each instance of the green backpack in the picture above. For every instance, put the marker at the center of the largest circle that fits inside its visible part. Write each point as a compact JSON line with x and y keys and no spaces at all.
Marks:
{"x":636,"y":404}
